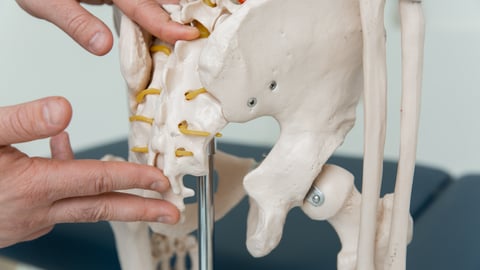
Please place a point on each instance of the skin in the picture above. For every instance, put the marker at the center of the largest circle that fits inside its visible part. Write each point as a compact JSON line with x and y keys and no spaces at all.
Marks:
{"x":93,"y":35}
{"x":37,"y":193}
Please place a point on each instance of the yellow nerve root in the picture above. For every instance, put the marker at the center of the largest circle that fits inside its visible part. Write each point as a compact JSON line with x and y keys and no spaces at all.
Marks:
{"x":183,"y":127}
{"x":181,"y":152}
{"x":161,"y":48}
{"x":141,"y":118}
{"x":204,"y":33}
{"x":140,"y":149}
{"x":194,"y":93}
{"x":150,"y":91}
{"x":209,"y":3}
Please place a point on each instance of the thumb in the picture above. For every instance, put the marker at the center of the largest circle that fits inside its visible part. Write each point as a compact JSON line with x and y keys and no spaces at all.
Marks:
{"x":34,"y":120}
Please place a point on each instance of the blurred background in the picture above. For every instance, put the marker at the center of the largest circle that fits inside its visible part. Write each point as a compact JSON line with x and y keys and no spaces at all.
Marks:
{"x":38,"y":60}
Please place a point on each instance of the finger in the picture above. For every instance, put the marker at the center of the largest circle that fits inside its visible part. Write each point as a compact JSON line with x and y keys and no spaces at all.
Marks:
{"x":155,"y":20}
{"x":60,"y":147}
{"x":34,"y":120}
{"x":97,"y":2}
{"x":113,"y":207}
{"x":163,"y":2}
{"x":86,"y":29}
{"x":72,"y":178}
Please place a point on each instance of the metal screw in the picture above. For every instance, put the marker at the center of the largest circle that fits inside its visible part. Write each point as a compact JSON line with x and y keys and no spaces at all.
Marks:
{"x":252,"y":102}
{"x":273,"y":85}
{"x":315,"y":197}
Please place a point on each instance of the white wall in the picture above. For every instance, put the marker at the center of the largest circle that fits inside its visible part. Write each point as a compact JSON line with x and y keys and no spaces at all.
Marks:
{"x":37,"y":59}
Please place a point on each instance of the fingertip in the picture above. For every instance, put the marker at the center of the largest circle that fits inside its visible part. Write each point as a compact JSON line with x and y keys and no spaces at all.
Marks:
{"x":172,"y":32}
{"x":162,"y":185}
{"x":159,"y":182}
{"x":60,"y":147}
{"x":100,"y":43}
{"x":189,"y":32}
{"x":82,"y":26}
{"x":57,"y":112}
{"x":172,"y":218}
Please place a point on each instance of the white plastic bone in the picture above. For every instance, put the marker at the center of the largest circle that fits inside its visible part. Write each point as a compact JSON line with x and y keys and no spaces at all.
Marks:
{"x":231,"y":171}
{"x":308,"y":82}
{"x":166,"y":247}
{"x":413,"y":35}
{"x":155,"y":136}
{"x":173,"y":75}
{"x":303,"y":66}
{"x":133,"y":239}
{"x":372,"y":12}
{"x":375,"y":88}
{"x":341,"y":207}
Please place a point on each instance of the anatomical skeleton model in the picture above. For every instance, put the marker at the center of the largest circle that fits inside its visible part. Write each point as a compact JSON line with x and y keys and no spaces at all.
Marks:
{"x":303,"y":63}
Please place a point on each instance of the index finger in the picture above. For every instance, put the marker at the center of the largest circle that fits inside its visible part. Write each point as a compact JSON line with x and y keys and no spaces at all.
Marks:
{"x":155,"y":20}
{"x":74,"y":178}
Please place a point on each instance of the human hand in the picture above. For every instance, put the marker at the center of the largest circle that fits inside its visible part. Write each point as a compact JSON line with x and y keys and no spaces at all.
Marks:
{"x":93,"y":35}
{"x":36,"y":193}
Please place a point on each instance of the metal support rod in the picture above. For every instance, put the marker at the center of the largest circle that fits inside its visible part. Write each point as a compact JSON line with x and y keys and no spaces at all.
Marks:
{"x":206,"y":212}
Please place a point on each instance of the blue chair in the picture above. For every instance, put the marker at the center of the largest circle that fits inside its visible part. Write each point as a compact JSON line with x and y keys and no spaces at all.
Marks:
{"x":447,"y":235}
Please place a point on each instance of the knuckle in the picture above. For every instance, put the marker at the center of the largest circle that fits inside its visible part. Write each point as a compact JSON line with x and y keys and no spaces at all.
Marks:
{"x":78,"y":24}
{"x":24,"y":122}
{"x":93,"y":213}
{"x":101,"y":185}
{"x":102,"y":211}
{"x":103,"y":182}
{"x":139,"y":12}
{"x":138,"y":9}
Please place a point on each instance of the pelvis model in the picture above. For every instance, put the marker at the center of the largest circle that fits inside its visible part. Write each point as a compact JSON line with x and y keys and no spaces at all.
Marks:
{"x":306,"y":63}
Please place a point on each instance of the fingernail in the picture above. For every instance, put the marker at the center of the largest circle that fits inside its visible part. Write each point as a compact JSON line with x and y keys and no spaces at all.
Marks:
{"x":194,"y":31}
{"x":96,"y":43}
{"x":52,"y":113}
{"x":159,"y":186}
{"x":166,"y":220}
